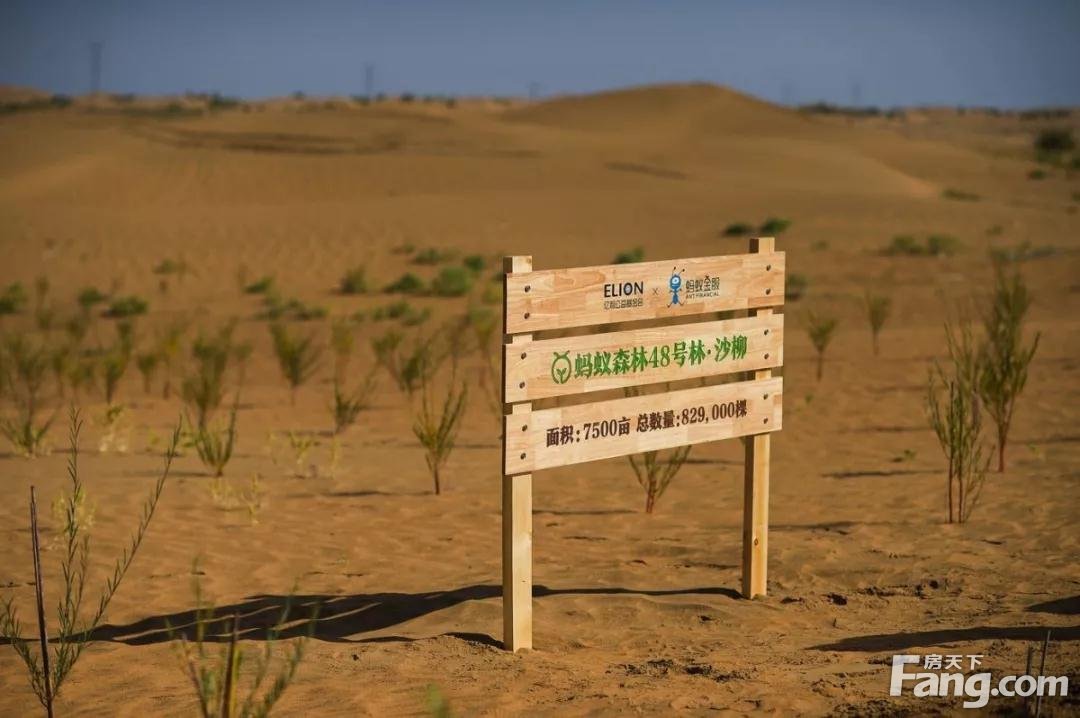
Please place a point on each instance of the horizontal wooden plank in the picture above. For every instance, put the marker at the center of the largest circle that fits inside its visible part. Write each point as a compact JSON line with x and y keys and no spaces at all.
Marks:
{"x":613,"y":360}
{"x":587,"y":432}
{"x":585,"y":296}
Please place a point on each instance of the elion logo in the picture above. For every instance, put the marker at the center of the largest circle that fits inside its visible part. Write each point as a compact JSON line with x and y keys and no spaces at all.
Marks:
{"x":624,"y":295}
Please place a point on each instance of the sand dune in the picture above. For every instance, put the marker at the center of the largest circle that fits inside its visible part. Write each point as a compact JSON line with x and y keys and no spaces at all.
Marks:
{"x":634,"y":613}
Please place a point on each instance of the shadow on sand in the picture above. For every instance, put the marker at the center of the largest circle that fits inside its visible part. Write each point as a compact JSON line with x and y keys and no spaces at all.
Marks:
{"x":924,"y":639}
{"x":342,"y":618}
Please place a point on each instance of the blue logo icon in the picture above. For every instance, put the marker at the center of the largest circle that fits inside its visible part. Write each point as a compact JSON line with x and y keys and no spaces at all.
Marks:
{"x":675,"y":286}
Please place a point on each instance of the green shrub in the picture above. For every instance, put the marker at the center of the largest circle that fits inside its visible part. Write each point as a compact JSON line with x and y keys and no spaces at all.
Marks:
{"x":12,"y":299}
{"x":1004,"y":357}
{"x":408,"y":366}
{"x":23,"y":369}
{"x":407,"y":283}
{"x":215,"y":444}
{"x":172,"y":266}
{"x":308,"y":312}
{"x":262,"y":285}
{"x":820,"y":330}
{"x":1054,"y":141}
{"x":737,"y":229}
{"x":130,"y":306}
{"x":475,"y":263}
{"x":114,"y":364}
{"x":218,"y":101}
{"x":298,"y":357}
{"x":89,"y":297}
{"x":878,"y":309}
{"x":415,"y":317}
{"x":905,"y":245}
{"x":354,"y":281}
{"x":452,"y":282}
{"x":393,"y":310}
{"x":204,"y":388}
{"x":938,"y":245}
{"x":147,"y":364}
{"x":437,"y":430}
{"x":432,"y":256}
{"x":347,"y":406}
{"x":774,"y":225}
{"x":633,"y":256}
{"x":277,"y":307}
{"x":956,"y":419}
{"x":959,"y":195}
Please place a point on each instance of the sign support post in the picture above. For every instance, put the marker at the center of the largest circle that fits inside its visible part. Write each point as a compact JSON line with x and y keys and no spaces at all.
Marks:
{"x":516,"y":503}
{"x":755,"y":534}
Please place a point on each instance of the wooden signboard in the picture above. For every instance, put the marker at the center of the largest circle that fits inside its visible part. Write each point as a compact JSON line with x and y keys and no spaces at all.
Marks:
{"x":686,"y":348}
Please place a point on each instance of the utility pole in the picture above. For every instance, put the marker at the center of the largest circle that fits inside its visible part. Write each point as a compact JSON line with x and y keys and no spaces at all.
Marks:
{"x":95,"y":66}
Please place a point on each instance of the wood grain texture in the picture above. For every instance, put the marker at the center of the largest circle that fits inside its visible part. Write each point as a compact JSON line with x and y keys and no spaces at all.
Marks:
{"x":560,"y":367}
{"x":527,"y":446}
{"x":757,"y":449}
{"x":517,"y":516}
{"x":563,"y":298}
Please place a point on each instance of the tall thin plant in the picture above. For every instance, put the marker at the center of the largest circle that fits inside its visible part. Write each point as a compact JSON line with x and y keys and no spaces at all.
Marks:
{"x":73,"y":633}
{"x":654,"y":473}
{"x":954,"y":411}
{"x":483,"y":324}
{"x":348,"y":405}
{"x":298,"y":356}
{"x":342,"y":341}
{"x":1005,"y":357}
{"x":410,"y":364}
{"x":147,"y":363}
{"x":23,"y":370}
{"x":114,"y":364}
{"x":878,"y":309}
{"x":217,"y":679}
{"x":820,"y":330}
{"x":437,"y":430}
{"x":203,"y":389}
{"x":215,"y":444}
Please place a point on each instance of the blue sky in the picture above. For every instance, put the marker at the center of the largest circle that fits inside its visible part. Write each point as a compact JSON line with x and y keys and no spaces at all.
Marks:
{"x":956,"y":52}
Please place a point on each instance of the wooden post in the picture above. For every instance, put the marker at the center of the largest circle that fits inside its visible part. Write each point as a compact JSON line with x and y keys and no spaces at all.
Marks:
{"x":516,"y":504}
{"x":755,"y":553}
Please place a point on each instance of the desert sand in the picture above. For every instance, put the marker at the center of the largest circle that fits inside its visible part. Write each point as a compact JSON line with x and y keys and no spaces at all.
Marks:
{"x":634,"y":614}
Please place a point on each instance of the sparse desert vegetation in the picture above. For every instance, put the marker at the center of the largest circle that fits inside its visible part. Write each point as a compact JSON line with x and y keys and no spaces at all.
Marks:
{"x":313,"y":287}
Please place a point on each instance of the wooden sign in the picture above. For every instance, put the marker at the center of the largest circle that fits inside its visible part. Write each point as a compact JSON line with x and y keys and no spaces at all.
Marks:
{"x":585,"y":296}
{"x":616,"y":360}
{"x":588,"y":432}
{"x":543,"y":368}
